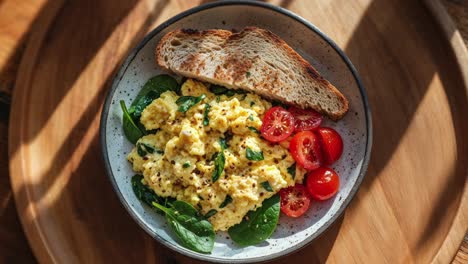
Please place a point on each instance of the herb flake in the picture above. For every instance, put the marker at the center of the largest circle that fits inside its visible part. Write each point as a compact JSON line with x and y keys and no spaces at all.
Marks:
{"x":223,"y":143}
{"x":218,"y":166}
{"x":226,"y":201}
{"x":266,"y":185}
{"x":254,"y":155}
{"x":253,"y":129}
{"x":292,"y":170}
{"x":206,"y":119}
{"x":211,"y":213}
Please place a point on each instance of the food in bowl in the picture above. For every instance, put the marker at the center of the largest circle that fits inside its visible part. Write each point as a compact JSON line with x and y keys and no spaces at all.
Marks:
{"x":212,"y":158}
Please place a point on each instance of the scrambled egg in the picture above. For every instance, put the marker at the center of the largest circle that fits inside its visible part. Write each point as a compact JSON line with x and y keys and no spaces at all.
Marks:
{"x":182,"y":165}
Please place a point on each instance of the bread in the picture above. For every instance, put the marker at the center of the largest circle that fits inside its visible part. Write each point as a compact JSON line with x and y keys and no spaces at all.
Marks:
{"x":255,"y":60}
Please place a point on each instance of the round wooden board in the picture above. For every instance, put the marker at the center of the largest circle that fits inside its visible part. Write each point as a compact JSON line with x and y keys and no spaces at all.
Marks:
{"x":412,"y":205}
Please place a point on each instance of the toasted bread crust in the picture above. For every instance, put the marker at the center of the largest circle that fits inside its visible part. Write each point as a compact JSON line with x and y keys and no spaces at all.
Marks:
{"x":232,"y":72}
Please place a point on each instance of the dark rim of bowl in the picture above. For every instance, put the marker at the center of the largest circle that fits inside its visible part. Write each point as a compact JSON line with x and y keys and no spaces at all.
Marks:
{"x":130,"y":58}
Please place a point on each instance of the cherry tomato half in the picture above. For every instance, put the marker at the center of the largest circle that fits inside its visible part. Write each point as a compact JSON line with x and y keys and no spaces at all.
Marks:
{"x":305,"y":119}
{"x":278,"y":124}
{"x":295,"y":200}
{"x":332,"y":144}
{"x":322,"y":183}
{"x":305,"y":149}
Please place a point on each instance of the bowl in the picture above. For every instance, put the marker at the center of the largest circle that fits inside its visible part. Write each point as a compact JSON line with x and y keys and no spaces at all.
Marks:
{"x":355,"y":128}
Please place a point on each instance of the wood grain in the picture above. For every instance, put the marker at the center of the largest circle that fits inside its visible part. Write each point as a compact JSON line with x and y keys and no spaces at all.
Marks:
{"x":402,"y":214}
{"x":16,"y":18}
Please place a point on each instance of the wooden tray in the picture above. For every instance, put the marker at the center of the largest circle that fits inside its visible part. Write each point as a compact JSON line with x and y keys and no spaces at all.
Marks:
{"x":412,"y":206}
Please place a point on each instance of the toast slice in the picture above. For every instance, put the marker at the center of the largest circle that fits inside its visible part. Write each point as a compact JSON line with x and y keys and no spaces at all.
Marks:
{"x":255,"y":60}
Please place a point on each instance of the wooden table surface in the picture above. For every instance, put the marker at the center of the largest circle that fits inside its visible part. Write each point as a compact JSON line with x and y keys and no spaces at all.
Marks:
{"x":16,"y":20}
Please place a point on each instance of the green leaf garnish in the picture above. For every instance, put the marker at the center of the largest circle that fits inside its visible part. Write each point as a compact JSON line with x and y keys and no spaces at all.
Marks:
{"x":253,"y":129}
{"x":254,"y":155}
{"x":186,"y":102}
{"x":226,"y":201}
{"x":152,"y":89}
{"x":131,"y":130}
{"x":210,"y":213}
{"x":266,"y":185}
{"x":218,"y":166}
{"x":143,"y":149}
{"x":218,"y":90}
{"x":223,"y":143}
{"x":206,"y":119}
{"x":292,"y":170}
{"x":192,"y":229}
{"x":258,"y":225}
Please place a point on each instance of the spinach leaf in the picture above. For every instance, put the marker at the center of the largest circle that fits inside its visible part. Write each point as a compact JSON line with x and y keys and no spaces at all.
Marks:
{"x":143,"y":192}
{"x":254,"y":155}
{"x":218,"y":90}
{"x":159,"y":84}
{"x":226,"y":201}
{"x":247,"y":74}
{"x":206,"y":119}
{"x":186,"y":165}
{"x":253,"y":129}
{"x":218,"y":166}
{"x":292,"y":170}
{"x":224,"y":141}
{"x":152,"y":89}
{"x":186,"y":102}
{"x":137,"y":107}
{"x":148,"y":147}
{"x":258,"y":225}
{"x":210,"y":213}
{"x":230,"y":93}
{"x":131,"y":130}
{"x":266,"y":185}
{"x":159,"y":151}
{"x":192,"y":229}
{"x":251,"y":118}
{"x":143,"y":149}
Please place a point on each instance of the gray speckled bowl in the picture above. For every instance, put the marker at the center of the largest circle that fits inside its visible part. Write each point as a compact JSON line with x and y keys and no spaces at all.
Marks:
{"x":314,"y":46}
